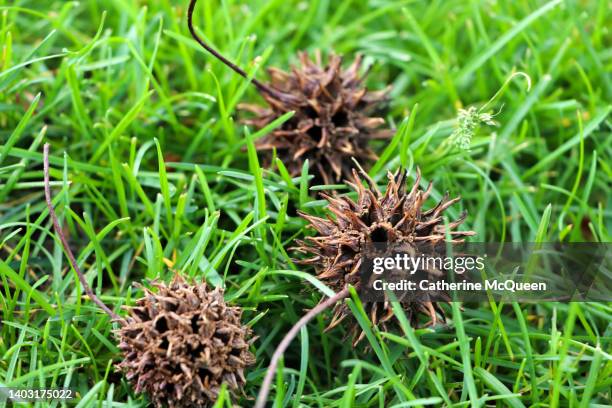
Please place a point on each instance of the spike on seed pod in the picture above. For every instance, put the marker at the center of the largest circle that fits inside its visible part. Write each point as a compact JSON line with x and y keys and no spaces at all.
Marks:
{"x":395,"y":217}
{"x":333,"y":117}
{"x":182,"y":342}
{"x":179,"y":343}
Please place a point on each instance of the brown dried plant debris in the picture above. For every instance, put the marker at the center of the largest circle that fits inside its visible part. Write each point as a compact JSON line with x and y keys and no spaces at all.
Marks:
{"x":182,"y":342}
{"x":396,"y":218}
{"x":333,"y":119}
{"x":333,"y":122}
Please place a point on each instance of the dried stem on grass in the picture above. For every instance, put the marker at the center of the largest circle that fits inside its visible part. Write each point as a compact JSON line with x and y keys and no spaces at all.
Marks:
{"x":62,"y":237}
{"x":280,"y":349}
{"x":261,"y":87}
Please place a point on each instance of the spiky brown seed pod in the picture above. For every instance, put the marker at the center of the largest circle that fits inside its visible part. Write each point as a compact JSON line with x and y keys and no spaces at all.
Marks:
{"x":181,"y":343}
{"x":333,"y":119}
{"x":396,"y":218}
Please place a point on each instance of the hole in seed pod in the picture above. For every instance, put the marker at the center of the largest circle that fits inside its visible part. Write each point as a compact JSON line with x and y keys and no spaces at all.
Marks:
{"x":340,"y":119}
{"x":379,"y":234}
{"x":141,"y":313}
{"x":315,"y":133}
{"x":361,"y":105}
{"x":161,"y":324}
{"x":203,"y":373}
{"x":148,"y":366}
{"x":347,"y":250}
{"x":236,"y":352}
{"x":311,"y":112}
{"x":225,"y":337}
{"x":196,"y":351}
{"x":164,"y":344}
{"x":195,"y":327}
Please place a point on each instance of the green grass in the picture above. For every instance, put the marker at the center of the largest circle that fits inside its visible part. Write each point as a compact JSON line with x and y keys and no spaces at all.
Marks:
{"x":153,"y":171}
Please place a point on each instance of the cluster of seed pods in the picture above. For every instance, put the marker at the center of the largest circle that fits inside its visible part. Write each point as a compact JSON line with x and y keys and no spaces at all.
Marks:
{"x":182,"y":341}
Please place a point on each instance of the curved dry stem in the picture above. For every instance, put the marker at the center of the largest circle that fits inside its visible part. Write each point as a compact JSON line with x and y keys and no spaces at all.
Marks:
{"x":64,"y":241}
{"x":278,"y":353}
{"x":259,"y":85}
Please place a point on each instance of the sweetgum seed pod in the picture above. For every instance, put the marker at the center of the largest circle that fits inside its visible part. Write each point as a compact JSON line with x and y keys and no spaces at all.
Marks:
{"x":396,"y":218}
{"x":180,"y":343}
{"x":334,"y":113}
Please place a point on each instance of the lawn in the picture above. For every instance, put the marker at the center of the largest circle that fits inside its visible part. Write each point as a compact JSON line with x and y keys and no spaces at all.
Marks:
{"x":155,"y":173}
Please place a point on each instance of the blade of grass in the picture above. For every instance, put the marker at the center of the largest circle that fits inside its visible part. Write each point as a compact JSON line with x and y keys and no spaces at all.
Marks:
{"x":21,"y":126}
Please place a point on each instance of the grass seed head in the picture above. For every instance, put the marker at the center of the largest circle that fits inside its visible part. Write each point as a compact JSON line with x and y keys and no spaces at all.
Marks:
{"x":396,"y":218}
{"x":182,"y":342}
{"x":468,"y":122}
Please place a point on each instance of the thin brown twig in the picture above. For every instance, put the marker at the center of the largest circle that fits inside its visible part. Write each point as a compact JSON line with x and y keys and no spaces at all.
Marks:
{"x":278,"y":353}
{"x":259,"y":85}
{"x":65,"y":244}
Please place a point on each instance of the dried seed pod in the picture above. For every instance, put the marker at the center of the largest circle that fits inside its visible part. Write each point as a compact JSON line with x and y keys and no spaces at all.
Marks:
{"x":333,"y":119}
{"x":179,"y":344}
{"x":182,"y":342}
{"x":396,"y":218}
